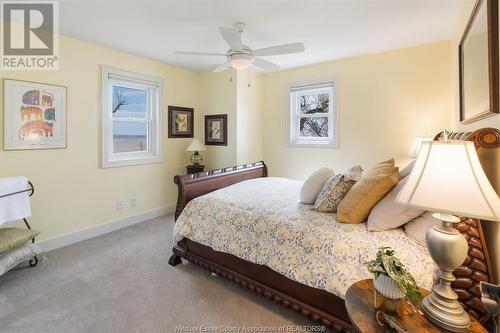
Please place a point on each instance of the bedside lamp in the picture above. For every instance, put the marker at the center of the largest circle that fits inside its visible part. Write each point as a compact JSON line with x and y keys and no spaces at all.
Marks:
{"x":196,"y":146}
{"x":448,"y":179}
{"x":416,"y":145}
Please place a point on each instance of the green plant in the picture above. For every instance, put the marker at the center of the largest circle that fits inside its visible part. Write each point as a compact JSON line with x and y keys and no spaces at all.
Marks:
{"x":387,"y":264}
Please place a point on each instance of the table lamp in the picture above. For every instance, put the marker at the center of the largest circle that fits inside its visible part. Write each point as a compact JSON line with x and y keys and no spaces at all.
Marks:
{"x":416,"y":145}
{"x":196,"y":146}
{"x":448,"y":179}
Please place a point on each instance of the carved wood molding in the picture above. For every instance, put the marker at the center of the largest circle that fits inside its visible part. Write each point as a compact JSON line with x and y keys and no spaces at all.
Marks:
{"x":485,"y":138}
{"x":476,"y":268}
{"x":477,"y":265}
{"x":202,"y":176}
{"x":194,"y":185}
{"x":276,"y":296}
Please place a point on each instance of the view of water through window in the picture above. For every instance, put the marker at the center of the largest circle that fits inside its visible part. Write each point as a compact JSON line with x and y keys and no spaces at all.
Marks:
{"x":130,"y":130}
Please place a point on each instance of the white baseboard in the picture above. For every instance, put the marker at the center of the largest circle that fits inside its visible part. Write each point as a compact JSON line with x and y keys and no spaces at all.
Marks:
{"x":101,"y":229}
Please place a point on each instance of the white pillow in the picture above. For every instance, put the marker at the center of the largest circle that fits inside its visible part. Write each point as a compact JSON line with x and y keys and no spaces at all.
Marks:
{"x":313,"y":184}
{"x":417,"y":228}
{"x":405,"y":168}
{"x":388,"y":214}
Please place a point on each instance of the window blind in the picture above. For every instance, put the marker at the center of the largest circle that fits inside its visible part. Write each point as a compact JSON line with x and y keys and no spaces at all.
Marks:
{"x":113,"y":76}
{"x":312,"y":86}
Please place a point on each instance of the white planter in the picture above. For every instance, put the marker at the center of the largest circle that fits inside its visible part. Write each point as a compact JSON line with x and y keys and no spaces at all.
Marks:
{"x":387,"y":287}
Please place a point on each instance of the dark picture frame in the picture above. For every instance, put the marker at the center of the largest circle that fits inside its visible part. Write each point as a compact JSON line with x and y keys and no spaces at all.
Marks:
{"x":180,"y":122}
{"x":216,"y":130}
{"x":493,"y":61}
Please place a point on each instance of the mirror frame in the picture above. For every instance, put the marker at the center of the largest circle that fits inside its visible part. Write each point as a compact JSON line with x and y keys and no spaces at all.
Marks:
{"x":493,"y":62}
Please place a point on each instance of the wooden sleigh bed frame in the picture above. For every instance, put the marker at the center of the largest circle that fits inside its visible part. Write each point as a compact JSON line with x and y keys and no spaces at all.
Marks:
{"x":320,"y":305}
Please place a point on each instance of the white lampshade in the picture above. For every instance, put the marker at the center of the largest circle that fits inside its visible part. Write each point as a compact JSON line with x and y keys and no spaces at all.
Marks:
{"x":196,"y":145}
{"x":416,"y":145}
{"x":448,"y":178}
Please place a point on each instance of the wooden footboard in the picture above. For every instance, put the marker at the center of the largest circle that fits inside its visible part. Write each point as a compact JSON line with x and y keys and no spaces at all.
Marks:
{"x":319,"y":305}
{"x":194,"y":185}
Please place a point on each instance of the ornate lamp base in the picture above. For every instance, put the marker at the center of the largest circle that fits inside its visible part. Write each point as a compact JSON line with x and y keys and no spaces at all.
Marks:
{"x":196,"y":158}
{"x":443,"y":309}
{"x":449,"y":249}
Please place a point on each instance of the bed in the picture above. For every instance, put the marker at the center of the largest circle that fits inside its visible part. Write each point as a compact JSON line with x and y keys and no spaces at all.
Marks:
{"x":250,"y":229}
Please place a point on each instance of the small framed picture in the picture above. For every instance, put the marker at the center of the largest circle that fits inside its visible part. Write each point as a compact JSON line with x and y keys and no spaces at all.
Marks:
{"x":180,"y":122}
{"x":216,"y":129}
{"x":34,"y":115}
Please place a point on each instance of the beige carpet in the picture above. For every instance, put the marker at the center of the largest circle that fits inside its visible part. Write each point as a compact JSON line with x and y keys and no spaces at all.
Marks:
{"x":121,"y":282}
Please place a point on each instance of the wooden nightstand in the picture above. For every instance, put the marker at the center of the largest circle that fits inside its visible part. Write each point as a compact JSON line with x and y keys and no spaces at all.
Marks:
{"x":193,"y":168}
{"x":361,"y":311}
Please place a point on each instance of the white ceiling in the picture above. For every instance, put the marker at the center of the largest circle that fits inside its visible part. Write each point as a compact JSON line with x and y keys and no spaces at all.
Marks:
{"x":329,"y":29}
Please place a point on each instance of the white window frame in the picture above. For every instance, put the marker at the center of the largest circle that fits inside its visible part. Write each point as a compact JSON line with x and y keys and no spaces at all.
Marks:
{"x":293,"y":114}
{"x":154,"y":85}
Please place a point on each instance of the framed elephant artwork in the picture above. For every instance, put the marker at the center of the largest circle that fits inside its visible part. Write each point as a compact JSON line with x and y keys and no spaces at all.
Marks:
{"x":34,"y":115}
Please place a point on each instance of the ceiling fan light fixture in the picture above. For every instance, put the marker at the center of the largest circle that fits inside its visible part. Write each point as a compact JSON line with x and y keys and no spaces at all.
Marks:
{"x":241,"y":61}
{"x":240,"y":56}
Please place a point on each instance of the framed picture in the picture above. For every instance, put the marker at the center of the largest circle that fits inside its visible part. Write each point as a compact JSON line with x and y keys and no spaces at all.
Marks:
{"x":216,"y":129}
{"x":479,"y":64}
{"x":180,"y":122}
{"x":34,"y":115}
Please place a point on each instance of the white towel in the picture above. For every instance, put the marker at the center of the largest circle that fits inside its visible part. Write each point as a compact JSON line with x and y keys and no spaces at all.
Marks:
{"x":17,"y":206}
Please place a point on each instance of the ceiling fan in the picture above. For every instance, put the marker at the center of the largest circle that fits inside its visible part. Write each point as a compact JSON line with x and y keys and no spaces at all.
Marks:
{"x":240,"y":56}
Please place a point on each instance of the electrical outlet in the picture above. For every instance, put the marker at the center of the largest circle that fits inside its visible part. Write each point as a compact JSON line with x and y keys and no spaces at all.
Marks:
{"x":133,"y":202}
{"x":119,"y":205}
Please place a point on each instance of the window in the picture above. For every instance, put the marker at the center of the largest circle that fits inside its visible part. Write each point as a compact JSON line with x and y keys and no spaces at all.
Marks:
{"x":313,"y":120}
{"x":131,"y":118}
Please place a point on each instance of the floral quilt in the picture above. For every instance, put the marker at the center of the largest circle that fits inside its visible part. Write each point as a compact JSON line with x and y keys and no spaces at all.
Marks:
{"x":262,"y":221}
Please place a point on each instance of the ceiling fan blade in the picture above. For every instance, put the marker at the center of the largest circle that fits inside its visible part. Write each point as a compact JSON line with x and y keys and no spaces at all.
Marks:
{"x":280,"y":49}
{"x":232,"y":38}
{"x":200,"y":53}
{"x":264,"y":64}
{"x":222,"y":67}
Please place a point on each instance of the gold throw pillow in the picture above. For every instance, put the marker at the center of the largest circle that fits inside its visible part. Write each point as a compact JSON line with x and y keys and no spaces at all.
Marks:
{"x":368,"y":190}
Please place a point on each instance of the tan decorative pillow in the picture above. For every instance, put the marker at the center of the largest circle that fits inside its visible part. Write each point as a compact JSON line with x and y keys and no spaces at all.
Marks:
{"x":13,"y":237}
{"x":390,"y":161}
{"x":370,"y":189}
{"x":387,"y":214}
{"x":335,"y":189}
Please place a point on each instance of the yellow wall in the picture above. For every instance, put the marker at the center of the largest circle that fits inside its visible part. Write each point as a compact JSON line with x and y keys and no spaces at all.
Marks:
{"x":218,"y":96}
{"x":385,"y":100}
{"x":492,"y":167}
{"x":243,"y":106}
{"x":249,"y":120}
{"x":72,"y":191}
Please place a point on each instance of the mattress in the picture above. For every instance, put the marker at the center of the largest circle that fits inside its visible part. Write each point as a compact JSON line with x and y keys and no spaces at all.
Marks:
{"x":262,"y":221}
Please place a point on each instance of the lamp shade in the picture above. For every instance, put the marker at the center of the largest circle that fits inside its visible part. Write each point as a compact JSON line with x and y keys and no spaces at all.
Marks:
{"x":196,"y":145}
{"x":448,"y":178}
{"x":416,"y":145}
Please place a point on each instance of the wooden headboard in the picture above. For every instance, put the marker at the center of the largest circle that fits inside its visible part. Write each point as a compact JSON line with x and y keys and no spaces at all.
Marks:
{"x":477,"y":265}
